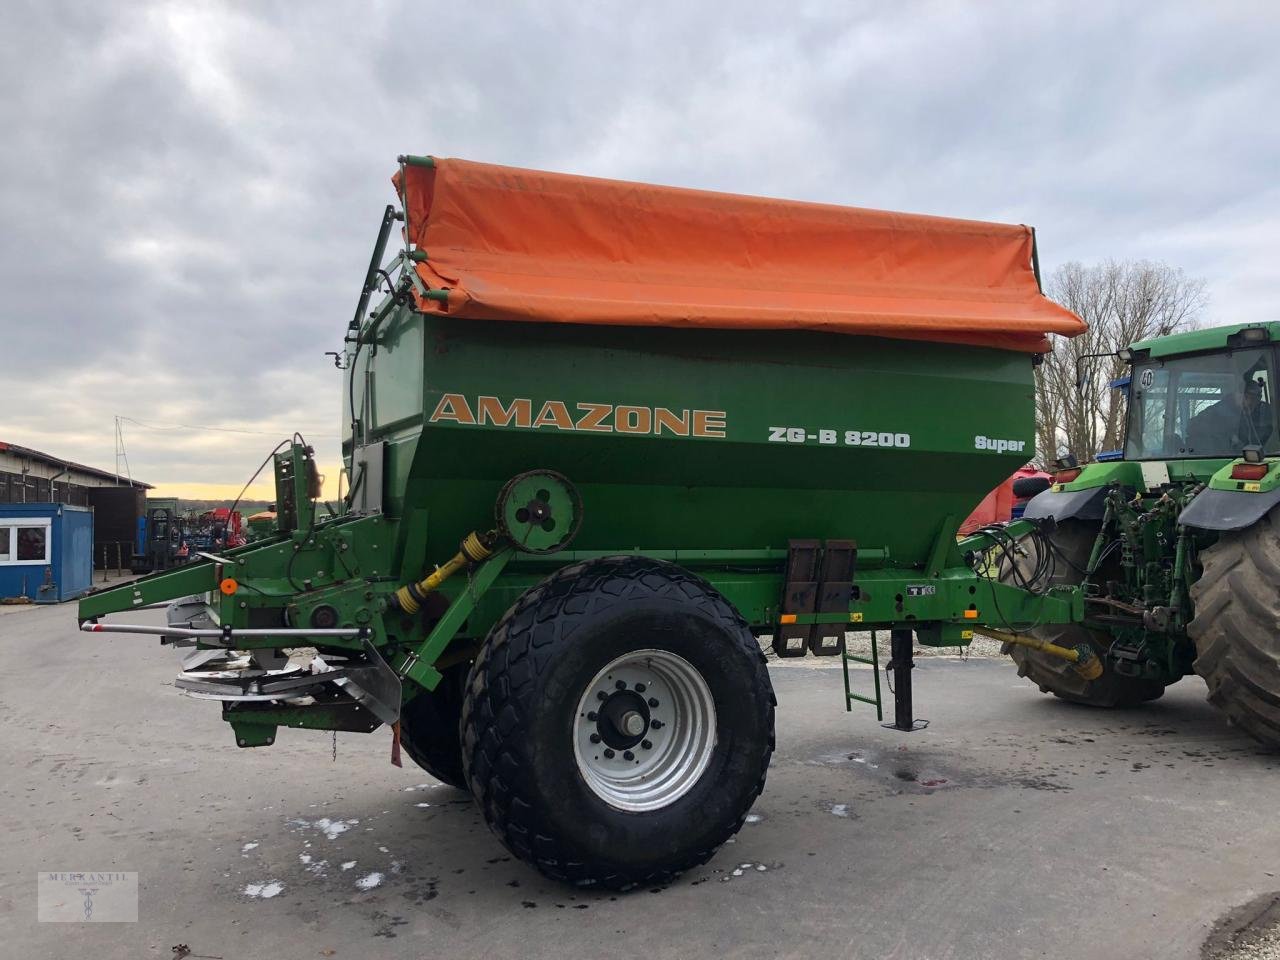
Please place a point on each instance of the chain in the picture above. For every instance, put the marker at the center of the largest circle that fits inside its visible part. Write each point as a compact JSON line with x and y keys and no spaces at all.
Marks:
{"x":335,"y":746}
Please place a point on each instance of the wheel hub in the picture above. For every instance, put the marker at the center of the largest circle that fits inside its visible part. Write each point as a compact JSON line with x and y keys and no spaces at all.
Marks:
{"x":622,"y":719}
{"x":644,"y":730}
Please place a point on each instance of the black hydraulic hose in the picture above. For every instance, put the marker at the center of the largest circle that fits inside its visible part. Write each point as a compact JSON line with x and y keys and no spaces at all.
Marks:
{"x":240,"y":495}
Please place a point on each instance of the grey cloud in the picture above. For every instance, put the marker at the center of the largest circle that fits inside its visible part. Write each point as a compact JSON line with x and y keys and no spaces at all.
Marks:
{"x":188,"y":191}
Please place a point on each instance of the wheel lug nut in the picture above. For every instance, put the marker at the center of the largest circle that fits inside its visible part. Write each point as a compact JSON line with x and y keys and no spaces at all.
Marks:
{"x":602,"y":695}
{"x":608,"y":753}
{"x":656,"y":724}
{"x":628,"y":755}
{"x":591,"y":715}
{"x":647,"y":744}
{"x":640,"y":688}
{"x":653,"y":701}
{"x":620,"y":685}
{"x":595,"y":738}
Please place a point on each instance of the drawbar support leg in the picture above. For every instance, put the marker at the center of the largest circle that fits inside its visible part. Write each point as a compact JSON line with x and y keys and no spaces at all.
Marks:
{"x":901,"y":663}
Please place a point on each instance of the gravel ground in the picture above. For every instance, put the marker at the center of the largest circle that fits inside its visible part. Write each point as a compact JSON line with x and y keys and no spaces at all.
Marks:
{"x":1254,"y":945}
{"x":1250,"y":933}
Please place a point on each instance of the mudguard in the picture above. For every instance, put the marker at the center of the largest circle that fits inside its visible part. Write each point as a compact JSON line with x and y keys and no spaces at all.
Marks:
{"x":1227,"y":509}
{"x":1067,"y":504}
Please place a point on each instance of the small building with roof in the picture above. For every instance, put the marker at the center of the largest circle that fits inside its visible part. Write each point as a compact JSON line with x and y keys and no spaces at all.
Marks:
{"x":59,"y":519}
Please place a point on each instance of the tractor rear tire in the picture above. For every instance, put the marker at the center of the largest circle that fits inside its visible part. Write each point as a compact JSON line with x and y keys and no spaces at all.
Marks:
{"x":1074,"y":542}
{"x":1236,"y":628}
{"x":1024,"y":488}
{"x":618,"y":723}
{"x":429,"y":728}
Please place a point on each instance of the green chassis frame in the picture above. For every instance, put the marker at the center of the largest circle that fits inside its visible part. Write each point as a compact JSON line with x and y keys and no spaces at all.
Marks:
{"x":345,"y":563}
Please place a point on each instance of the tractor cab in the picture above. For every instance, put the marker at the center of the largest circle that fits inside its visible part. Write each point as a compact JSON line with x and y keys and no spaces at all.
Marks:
{"x":1207,"y":404}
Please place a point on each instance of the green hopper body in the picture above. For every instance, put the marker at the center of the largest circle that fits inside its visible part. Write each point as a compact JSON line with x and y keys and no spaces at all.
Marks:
{"x":686,"y":440}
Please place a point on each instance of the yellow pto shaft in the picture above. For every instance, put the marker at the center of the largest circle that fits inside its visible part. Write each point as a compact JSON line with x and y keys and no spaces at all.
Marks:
{"x":473,"y":550}
{"x":1085,"y":662}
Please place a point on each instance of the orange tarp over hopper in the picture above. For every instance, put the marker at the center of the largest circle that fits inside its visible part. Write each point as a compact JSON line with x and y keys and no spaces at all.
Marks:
{"x":511,"y":244}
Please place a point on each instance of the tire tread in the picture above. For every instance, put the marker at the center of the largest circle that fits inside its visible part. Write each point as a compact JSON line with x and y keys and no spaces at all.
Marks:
{"x":501,"y":694}
{"x":1236,"y":628}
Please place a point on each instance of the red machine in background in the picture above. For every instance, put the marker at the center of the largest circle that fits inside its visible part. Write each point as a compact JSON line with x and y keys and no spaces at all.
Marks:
{"x":216,"y":529}
{"x":1006,"y":501}
{"x":228,"y":523}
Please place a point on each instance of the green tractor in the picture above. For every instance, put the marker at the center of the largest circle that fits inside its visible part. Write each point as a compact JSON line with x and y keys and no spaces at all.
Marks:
{"x":1175,"y":539}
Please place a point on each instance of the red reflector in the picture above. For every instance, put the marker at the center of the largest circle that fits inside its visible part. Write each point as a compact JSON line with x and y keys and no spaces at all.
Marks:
{"x":1066,"y":476}
{"x":1249,"y":471}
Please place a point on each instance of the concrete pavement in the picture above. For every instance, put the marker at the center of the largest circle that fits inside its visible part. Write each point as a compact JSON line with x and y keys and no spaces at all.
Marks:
{"x":1015,"y":826}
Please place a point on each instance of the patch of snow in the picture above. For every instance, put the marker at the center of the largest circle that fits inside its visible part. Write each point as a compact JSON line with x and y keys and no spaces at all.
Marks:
{"x":348,"y":865}
{"x":840,"y":809}
{"x":264,"y":891}
{"x":317,"y":867}
{"x":249,"y":846}
{"x":370,"y":881}
{"x":332,"y":828}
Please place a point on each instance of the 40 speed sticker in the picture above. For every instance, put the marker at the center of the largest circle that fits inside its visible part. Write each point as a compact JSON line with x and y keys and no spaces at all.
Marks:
{"x":848,"y":438}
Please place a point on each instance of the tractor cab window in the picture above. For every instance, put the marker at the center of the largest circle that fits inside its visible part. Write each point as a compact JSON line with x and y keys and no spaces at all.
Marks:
{"x":1211,"y":405}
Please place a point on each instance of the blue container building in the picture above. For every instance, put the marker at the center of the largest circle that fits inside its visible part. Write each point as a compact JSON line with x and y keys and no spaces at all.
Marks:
{"x":46,"y":551}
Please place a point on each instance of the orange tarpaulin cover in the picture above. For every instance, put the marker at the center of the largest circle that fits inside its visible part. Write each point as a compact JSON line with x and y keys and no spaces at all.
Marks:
{"x":512,"y":244}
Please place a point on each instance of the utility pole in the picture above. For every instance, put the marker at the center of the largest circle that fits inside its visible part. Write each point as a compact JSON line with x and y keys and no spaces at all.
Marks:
{"x":121,"y":454}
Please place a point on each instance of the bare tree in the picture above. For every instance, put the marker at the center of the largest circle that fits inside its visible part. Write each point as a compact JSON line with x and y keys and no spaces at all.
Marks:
{"x":1122,"y":302}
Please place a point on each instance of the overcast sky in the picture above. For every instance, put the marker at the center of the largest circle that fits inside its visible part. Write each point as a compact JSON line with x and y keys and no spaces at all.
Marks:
{"x":189,"y":191}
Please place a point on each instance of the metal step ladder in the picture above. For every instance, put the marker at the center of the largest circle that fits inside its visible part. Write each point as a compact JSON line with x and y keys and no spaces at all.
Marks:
{"x":874,"y":662}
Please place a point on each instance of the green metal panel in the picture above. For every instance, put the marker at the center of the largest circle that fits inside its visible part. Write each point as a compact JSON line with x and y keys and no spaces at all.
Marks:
{"x":804,"y":435}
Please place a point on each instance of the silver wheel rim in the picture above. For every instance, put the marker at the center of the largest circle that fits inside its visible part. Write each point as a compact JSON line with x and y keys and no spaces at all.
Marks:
{"x":644,"y":730}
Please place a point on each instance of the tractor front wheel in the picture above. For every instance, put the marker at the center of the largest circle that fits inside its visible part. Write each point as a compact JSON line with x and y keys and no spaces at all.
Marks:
{"x":1073,"y":542}
{"x":618,"y":723}
{"x":1235,"y":629}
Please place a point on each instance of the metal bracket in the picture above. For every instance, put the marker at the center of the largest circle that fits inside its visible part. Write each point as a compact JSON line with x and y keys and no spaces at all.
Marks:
{"x":418,"y":665}
{"x":374,"y":684}
{"x":943,"y":547}
{"x":217,"y":559}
